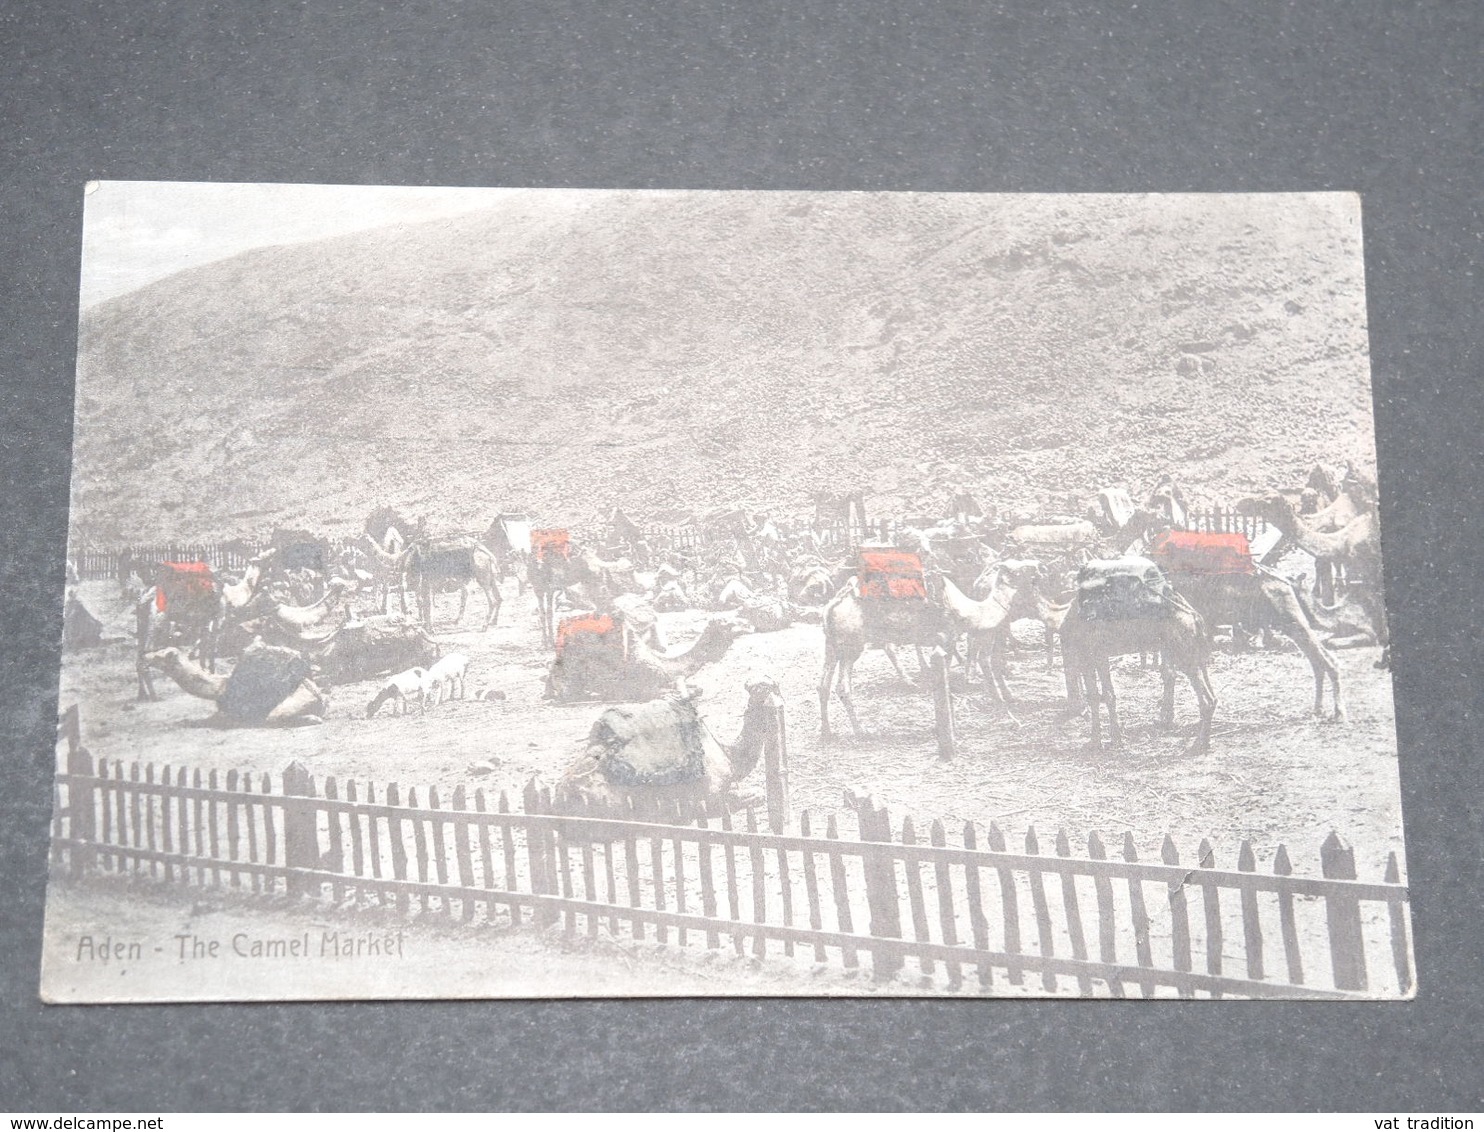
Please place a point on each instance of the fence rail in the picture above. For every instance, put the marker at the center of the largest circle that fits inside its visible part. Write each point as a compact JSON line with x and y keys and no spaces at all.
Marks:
{"x":895,"y":897}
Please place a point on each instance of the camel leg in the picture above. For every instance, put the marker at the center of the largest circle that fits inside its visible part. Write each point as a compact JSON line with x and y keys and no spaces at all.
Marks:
{"x":1050,"y":646}
{"x":997,"y":668}
{"x":1167,"y":702}
{"x":846,"y":697}
{"x":826,"y":685}
{"x":1115,"y":728}
{"x":891,"y":655}
{"x":1292,"y":622}
{"x":493,"y":602}
{"x":1093,"y":699}
{"x":1201,"y":683}
{"x":304,"y":706}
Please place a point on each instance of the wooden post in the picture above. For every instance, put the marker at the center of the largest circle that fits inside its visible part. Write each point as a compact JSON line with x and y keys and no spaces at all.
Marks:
{"x":775,"y":770}
{"x":1251,"y":924}
{"x":1179,"y":918}
{"x":1346,"y":947}
{"x":942,"y":702}
{"x":300,"y":833}
{"x":1401,"y":951}
{"x":881,"y":890}
{"x":1103,"y":886}
{"x":1287,"y":923}
{"x":83,"y":823}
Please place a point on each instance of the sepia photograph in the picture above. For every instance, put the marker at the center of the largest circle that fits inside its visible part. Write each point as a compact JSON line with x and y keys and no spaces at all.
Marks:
{"x":551,"y":593}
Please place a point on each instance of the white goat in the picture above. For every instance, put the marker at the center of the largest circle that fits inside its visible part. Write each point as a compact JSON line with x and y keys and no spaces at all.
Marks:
{"x":415,"y":683}
{"x":447,"y":673}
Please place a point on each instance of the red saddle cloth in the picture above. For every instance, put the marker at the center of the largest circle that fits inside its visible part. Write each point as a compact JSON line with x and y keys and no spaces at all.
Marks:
{"x":1200,"y":552}
{"x":551,"y":540}
{"x":183,"y":581}
{"x":891,"y":574}
{"x":592,"y":625}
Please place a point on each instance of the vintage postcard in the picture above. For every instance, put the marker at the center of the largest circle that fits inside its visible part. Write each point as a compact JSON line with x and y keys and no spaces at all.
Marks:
{"x":509,"y":593}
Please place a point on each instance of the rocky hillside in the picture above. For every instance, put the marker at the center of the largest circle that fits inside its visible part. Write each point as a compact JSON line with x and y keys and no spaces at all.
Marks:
{"x":672,"y":352}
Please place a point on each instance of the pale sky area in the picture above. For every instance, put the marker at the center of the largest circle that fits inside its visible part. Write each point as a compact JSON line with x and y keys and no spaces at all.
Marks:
{"x":135,"y":232}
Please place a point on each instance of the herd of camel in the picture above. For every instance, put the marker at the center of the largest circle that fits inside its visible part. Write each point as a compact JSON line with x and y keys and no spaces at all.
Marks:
{"x":1125,"y":579}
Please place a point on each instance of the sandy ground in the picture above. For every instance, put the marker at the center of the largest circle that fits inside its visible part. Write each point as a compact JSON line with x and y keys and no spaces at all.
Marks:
{"x":1275,"y":775}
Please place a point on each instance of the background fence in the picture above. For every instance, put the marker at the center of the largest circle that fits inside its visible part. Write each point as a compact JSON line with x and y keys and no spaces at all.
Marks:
{"x":852,"y":890}
{"x":93,"y":564}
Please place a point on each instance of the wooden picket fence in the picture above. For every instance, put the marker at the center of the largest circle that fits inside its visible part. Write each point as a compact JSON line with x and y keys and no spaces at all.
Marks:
{"x":1226,"y":520}
{"x":1015,"y":920}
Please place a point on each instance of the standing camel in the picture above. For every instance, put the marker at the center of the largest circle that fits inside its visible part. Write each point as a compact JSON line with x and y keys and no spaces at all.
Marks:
{"x":1125,"y":606}
{"x":853,"y":619}
{"x":1356,"y":547}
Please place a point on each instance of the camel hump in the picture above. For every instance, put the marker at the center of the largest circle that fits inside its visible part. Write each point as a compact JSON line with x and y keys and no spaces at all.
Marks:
{"x":1123,"y":589}
{"x":660,"y":743}
{"x":263,"y":679}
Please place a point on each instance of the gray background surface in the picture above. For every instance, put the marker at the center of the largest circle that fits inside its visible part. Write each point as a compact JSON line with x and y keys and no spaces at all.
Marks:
{"x":1147,"y":96}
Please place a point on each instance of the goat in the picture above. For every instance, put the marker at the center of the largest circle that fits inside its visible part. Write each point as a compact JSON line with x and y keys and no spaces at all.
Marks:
{"x":447,"y":672}
{"x":404,"y":686}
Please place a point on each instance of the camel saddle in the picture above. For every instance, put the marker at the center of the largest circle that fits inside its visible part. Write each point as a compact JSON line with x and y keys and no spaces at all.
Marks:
{"x":588,"y":625}
{"x":891,"y":575}
{"x":551,"y":541}
{"x":263,"y":679}
{"x":1123,"y":589}
{"x":1203,"y":552}
{"x":655,"y":744}
{"x":183,"y":582}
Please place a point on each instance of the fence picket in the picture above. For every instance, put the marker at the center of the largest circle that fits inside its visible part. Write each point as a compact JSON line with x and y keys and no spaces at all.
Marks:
{"x":1179,"y":918}
{"x":1044,"y":939}
{"x":1342,"y":915}
{"x":978,"y":923}
{"x":255,"y":876}
{"x":398,"y":846}
{"x":947,"y":917}
{"x":1073,"y":910}
{"x":105,"y":794}
{"x":1251,"y":923}
{"x":1009,"y":905}
{"x":631,"y":864}
{"x":213,"y":831}
{"x":1211,"y":903}
{"x":708,"y":885}
{"x":915,"y":901}
{"x":888,"y":956}
{"x":163,"y":799}
{"x":843,"y":919}
{"x":759,"y":890}
{"x":270,"y":834}
{"x":356,"y":839}
{"x":507,"y":846}
{"x":335,"y":858}
{"x":1142,"y":947}
{"x":183,"y":823}
{"x":486,"y":854}
{"x":1288,"y":925}
{"x":733,"y":899}
{"x":234,"y":829}
{"x":1401,"y":951}
{"x":677,"y":848}
{"x":811,"y":887}
{"x":463,"y":858}
{"x":1103,"y":887}
{"x":135,"y":828}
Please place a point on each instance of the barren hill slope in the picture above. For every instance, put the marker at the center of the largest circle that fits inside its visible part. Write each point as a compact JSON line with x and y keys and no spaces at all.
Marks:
{"x":685,"y":350}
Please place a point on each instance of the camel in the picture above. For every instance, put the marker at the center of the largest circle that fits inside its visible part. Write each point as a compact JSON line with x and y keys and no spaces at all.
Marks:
{"x":444,"y":566}
{"x":270,"y":686}
{"x":1263,"y":600}
{"x":1356,"y":547}
{"x":1009,"y":596}
{"x":1124,"y":606}
{"x":850,"y":624}
{"x":660,"y":755}
{"x":388,"y":567}
{"x":1168,"y":502}
{"x":236,"y":595}
{"x":593,"y":666}
{"x":551,"y":572}
{"x":322,"y":614}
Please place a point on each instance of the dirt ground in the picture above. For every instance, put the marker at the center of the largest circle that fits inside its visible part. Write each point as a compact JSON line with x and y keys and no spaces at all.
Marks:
{"x":1275,"y":775}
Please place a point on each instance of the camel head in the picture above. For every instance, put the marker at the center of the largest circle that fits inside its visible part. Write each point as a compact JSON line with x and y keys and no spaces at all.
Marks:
{"x":166,"y":660}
